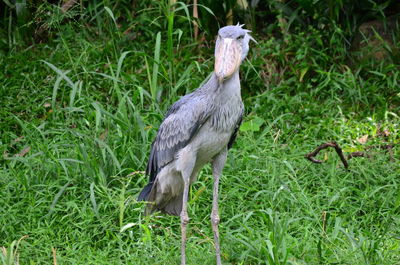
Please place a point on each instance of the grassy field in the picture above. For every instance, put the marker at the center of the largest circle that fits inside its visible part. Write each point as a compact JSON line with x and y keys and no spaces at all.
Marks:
{"x":78,"y":114}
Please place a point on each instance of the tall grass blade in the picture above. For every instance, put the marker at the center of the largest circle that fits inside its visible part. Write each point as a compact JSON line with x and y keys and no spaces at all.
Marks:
{"x":57,"y":197}
{"x":108,"y":10}
{"x":98,"y":115}
{"x":9,"y":4}
{"x":110,"y":152}
{"x":77,"y":87}
{"x":120,"y":61}
{"x":115,"y":82}
{"x":55,"y":90}
{"x":156,"y":64}
{"x":170,"y":44}
{"x":93,"y":200}
{"x":62,"y":74}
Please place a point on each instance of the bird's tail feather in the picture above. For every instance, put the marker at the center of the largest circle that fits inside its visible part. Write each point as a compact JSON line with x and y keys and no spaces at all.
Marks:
{"x":173,"y":206}
{"x":144,"y":194}
{"x":166,"y":204}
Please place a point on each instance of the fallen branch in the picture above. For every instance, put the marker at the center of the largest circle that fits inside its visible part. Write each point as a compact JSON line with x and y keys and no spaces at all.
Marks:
{"x":311,"y":156}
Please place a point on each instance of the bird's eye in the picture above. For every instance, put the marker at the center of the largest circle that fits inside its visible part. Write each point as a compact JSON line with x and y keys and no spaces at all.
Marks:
{"x":240,"y":37}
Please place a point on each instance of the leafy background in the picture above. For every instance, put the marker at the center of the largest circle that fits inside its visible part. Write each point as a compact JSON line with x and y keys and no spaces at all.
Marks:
{"x":83,"y":90}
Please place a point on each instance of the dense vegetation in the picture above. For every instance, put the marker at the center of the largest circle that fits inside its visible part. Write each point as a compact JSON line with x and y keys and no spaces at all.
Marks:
{"x":83,"y":91}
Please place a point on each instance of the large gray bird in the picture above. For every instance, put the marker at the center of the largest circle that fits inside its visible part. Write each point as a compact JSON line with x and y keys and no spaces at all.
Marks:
{"x":198,"y":129}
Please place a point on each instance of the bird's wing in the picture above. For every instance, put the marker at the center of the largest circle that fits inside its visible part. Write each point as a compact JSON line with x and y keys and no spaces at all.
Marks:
{"x":181,"y":123}
{"x":235,"y":132}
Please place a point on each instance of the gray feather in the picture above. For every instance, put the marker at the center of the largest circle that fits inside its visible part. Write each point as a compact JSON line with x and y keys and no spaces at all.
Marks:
{"x":235,"y":132}
{"x":180,"y":124}
{"x":196,"y":129}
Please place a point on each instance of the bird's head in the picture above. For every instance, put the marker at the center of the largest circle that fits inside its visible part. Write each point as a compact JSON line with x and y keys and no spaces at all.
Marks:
{"x":230,"y":50}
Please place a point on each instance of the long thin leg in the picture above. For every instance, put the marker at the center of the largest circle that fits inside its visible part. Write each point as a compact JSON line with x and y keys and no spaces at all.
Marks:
{"x":184,"y":219}
{"x":185,"y":165}
{"x":217,"y":166}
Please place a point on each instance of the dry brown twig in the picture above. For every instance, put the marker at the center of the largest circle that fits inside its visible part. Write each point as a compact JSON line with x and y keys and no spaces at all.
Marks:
{"x":366,"y":153}
{"x":311,"y":156}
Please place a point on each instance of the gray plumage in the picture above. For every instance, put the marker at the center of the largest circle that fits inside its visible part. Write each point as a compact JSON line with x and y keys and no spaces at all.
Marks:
{"x":198,"y":129}
{"x":205,"y":121}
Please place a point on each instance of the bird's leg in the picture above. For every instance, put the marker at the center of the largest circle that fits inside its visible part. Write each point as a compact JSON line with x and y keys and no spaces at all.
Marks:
{"x":185,"y":165}
{"x":184,"y":219}
{"x":217,"y":166}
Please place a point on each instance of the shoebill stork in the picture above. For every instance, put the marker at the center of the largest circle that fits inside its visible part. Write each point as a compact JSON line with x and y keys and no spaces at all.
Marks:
{"x":198,"y":129}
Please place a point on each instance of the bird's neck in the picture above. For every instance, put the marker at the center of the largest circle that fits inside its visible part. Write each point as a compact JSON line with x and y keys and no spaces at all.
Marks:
{"x":231,"y":86}
{"x":228,"y":105}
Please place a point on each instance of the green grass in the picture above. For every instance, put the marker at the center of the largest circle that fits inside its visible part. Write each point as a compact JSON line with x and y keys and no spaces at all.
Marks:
{"x":88,"y":107}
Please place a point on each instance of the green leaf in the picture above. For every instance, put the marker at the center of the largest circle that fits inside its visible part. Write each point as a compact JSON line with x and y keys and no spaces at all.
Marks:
{"x":303,"y":73}
{"x":252,"y":125}
{"x":111,"y":15}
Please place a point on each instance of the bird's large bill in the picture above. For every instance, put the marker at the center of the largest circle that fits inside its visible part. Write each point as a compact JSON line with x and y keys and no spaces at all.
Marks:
{"x":227,"y":58}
